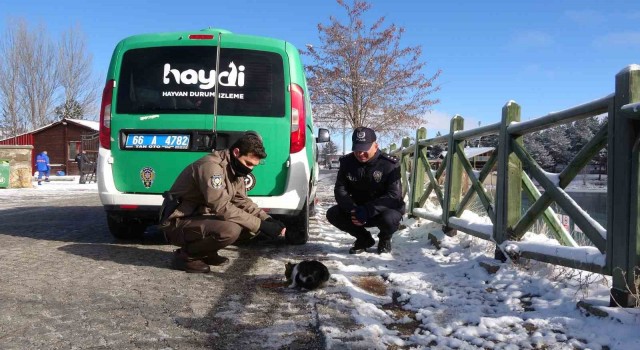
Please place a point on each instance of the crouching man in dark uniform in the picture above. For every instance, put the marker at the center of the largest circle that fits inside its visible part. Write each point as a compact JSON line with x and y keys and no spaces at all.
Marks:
{"x":207,"y":207}
{"x":368,"y":191}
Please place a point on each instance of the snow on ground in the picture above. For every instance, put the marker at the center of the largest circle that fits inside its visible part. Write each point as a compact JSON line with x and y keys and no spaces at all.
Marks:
{"x":58,"y":187}
{"x":424,"y":297}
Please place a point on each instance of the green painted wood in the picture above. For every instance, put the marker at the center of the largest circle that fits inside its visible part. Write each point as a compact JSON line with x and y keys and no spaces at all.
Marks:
{"x":556,"y":260}
{"x":548,"y":215}
{"x":509,"y":183}
{"x":406,"y":142}
{"x":469,"y":230}
{"x":453,"y":181}
{"x":610,"y":190}
{"x":567,"y":175}
{"x":433,"y":184}
{"x":429,"y":216}
{"x":633,"y":261}
{"x":476,"y":186}
{"x":418,"y":170}
{"x":484,"y":172}
{"x":623,"y":203}
{"x":403,"y":177}
{"x":624,"y":189}
{"x":564,"y":201}
{"x":586,"y":110}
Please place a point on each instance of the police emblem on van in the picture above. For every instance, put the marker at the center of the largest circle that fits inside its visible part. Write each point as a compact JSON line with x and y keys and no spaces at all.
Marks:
{"x":147,"y":175}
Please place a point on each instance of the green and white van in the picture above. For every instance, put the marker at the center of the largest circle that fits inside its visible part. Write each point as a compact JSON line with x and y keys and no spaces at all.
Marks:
{"x":160,"y":112}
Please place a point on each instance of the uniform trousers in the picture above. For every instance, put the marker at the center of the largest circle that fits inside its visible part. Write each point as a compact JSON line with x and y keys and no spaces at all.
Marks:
{"x":202,"y":236}
{"x":387,"y":222}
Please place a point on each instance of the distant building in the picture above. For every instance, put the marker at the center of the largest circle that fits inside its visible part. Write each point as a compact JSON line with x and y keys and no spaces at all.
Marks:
{"x":62,"y":140}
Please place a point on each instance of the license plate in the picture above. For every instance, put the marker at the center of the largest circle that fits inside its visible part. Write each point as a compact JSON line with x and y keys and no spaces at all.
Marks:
{"x":157,"y":141}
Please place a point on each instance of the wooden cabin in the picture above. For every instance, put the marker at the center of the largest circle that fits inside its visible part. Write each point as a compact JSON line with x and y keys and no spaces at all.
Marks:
{"x":62,"y":140}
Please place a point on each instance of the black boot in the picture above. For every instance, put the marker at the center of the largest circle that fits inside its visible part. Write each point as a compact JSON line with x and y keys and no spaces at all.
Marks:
{"x":181,"y":261}
{"x":384,"y":245}
{"x":361,"y":244}
{"x":215,"y":259}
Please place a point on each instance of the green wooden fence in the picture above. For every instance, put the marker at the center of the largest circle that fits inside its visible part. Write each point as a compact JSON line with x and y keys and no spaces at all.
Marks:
{"x":612,"y":250}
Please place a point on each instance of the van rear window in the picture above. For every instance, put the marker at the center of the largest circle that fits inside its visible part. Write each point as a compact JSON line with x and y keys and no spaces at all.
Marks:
{"x":182,"y":80}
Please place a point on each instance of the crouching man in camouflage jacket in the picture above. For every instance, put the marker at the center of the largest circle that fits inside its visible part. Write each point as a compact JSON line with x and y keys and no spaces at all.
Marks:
{"x":207,"y":207}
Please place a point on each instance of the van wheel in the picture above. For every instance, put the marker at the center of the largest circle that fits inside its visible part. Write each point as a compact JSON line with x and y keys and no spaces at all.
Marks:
{"x":125,"y":229}
{"x":298,"y":227}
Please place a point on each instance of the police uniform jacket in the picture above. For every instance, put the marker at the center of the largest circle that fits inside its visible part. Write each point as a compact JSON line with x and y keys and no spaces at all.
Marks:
{"x":209,"y":186}
{"x":376,"y":184}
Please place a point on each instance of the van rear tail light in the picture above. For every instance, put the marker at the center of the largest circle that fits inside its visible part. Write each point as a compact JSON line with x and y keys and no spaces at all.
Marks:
{"x":298,"y":116}
{"x":105,"y":115}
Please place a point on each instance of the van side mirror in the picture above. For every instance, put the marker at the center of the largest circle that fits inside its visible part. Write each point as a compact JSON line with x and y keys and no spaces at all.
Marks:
{"x":323,"y":135}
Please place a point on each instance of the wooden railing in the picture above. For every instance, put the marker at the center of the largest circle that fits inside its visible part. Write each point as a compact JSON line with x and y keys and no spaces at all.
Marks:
{"x":614,"y":250}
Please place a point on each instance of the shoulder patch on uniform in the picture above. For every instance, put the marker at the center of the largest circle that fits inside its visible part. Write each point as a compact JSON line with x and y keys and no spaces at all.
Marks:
{"x":389,"y":157}
{"x":216,"y":181}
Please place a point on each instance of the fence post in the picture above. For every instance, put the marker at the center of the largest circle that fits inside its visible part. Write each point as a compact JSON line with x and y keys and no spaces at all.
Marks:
{"x":406,"y":141}
{"x":453,"y":189}
{"x":623,"y":244}
{"x":417,"y":171}
{"x":509,"y":183}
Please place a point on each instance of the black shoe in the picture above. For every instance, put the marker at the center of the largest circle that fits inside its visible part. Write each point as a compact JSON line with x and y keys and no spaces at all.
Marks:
{"x":384,"y":245}
{"x":181,"y":261}
{"x":361,"y":245}
{"x":216,"y":260}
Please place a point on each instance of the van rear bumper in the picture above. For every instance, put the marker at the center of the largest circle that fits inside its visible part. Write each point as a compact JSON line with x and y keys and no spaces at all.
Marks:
{"x":290,"y":202}
{"x":134,"y":203}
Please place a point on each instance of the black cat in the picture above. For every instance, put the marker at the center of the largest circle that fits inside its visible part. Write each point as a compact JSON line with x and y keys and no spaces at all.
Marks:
{"x":308,"y":274}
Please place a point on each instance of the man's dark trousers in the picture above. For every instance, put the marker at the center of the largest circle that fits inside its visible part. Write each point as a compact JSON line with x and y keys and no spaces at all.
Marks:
{"x":387,"y":222}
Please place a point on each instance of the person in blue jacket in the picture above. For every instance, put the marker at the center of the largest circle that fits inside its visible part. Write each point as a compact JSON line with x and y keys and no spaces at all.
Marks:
{"x":43,"y":167}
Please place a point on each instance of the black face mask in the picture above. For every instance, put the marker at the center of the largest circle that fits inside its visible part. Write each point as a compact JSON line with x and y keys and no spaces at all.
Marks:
{"x":239,"y":168}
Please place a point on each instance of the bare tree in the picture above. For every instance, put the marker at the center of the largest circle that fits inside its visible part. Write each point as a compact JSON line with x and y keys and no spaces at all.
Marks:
{"x":75,"y":76}
{"x":12,"y":121}
{"x":362,"y":76}
{"x":37,"y":73}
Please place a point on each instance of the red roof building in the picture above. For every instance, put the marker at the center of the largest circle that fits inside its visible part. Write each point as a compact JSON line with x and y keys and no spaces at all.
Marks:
{"x":62,"y":140}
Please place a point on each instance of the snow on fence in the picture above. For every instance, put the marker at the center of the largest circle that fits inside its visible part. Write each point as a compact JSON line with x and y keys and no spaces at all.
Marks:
{"x":614,"y":250}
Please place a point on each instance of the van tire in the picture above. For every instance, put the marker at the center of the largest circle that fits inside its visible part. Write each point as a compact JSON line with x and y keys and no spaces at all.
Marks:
{"x":298,"y":227}
{"x":122,"y":228}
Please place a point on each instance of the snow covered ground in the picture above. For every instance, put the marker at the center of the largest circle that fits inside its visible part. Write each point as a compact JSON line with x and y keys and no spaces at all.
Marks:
{"x":58,"y":187}
{"x":424,"y":297}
